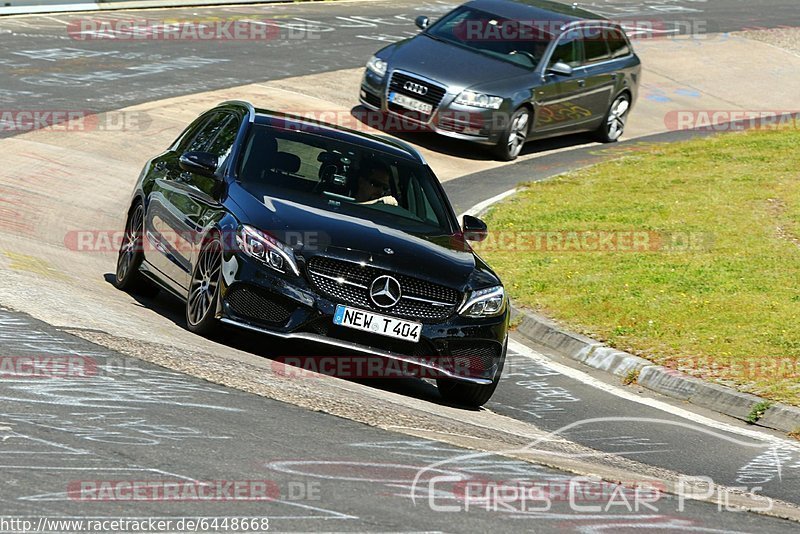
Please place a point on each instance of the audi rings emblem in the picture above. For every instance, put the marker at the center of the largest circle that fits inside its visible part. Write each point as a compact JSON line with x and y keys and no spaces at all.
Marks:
{"x":416,"y":88}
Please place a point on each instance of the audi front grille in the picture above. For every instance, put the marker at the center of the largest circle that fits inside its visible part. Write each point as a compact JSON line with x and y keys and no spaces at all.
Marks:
{"x":410,"y":86}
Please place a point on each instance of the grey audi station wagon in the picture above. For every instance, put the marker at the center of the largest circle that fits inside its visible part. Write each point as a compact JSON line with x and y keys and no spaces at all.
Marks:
{"x":503,"y":72}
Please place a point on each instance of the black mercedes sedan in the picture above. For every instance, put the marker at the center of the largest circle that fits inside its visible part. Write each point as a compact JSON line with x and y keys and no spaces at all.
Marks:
{"x":503,"y":72}
{"x":302,"y":230}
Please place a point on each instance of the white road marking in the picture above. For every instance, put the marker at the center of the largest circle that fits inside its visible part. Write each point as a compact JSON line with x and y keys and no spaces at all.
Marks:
{"x":62,"y":22}
{"x":480,"y":206}
{"x":576,"y":374}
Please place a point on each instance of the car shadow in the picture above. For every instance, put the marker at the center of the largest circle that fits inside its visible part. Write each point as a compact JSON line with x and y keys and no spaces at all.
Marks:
{"x":465,"y":149}
{"x":164,"y":303}
{"x":298,"y":354}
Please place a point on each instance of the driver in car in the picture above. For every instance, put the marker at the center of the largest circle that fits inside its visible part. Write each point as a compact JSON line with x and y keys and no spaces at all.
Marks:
{"x":374,"y":184}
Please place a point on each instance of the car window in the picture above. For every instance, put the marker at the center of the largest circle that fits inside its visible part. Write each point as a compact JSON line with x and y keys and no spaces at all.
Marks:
{"x":424,"y":209}
{"x":618,"y":44}
{"x":222,"y":144}
{"x":216,"y":136}
{"x":568,"y":49}
{"x":309,"y":154}
{"x":595,"y":48}
{"x":534,"y":41}
{"x":205,"y":138}
{"x":341,"y":177}
{"x":206,"y":133}
{"x":182,"y":143}
{"x":518,"y":41}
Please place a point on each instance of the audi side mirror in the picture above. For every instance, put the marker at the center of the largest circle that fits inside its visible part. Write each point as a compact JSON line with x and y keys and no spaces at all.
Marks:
{"x":560,"y":68}
{"x":474,"y":229}
{"x":202,"y":163}
{"x":422,"y":22}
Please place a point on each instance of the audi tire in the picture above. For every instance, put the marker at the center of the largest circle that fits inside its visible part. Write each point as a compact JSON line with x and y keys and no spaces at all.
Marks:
{"x":613,"y":125}
{"x":513,"y":138}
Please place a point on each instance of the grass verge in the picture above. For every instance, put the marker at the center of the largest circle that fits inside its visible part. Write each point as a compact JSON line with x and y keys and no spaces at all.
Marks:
{"x":688,"y":255}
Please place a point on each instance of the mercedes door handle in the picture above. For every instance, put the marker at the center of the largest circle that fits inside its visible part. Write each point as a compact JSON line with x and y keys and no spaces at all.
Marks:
{"x":581,"y":83}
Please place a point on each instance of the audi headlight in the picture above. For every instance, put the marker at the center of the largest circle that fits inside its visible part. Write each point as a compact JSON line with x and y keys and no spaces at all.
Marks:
{"x":479,"y":100}
{"x":377,"y":65}
{"x":267,"y":250}
{"x":488,"y":302}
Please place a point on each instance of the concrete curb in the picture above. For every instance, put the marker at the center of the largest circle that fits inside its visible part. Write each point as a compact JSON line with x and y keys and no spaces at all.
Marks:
{"x":657,"y":378}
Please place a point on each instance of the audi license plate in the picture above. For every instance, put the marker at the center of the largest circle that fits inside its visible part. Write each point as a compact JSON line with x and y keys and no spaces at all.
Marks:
{"x":410,"y":103}
{"x":376,"y":323}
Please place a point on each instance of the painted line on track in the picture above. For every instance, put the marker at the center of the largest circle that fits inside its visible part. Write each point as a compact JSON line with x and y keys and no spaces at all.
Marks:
{"x":482,"y":206}
{"x":696,"y":418}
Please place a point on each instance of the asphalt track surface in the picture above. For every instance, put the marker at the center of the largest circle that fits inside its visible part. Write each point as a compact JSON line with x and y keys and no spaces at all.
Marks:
{"x":60,"y":432}
{"x":42,"y":60}
{"x":70,"y":447}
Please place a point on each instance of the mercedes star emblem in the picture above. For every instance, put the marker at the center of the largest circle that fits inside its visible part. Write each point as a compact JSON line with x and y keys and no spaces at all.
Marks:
{"x":385,"y":291}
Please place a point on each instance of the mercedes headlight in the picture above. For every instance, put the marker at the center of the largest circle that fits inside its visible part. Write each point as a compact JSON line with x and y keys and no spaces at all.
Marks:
{"x":377,"y":65}
{"x":479,"y":100}
{"x":488,"y":302}
{"x":267,"y":250}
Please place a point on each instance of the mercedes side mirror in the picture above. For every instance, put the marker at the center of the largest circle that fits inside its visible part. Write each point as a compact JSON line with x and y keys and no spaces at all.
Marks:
{"x":474,"y":229}
{"x":202,"y":163}
{"x":422,"y":22}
